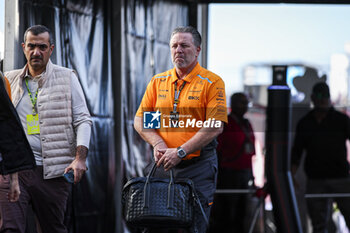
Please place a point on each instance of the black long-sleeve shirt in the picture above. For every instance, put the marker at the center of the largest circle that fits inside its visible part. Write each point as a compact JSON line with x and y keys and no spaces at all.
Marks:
{"x":325,"y":145}
{"x":14,"y":147}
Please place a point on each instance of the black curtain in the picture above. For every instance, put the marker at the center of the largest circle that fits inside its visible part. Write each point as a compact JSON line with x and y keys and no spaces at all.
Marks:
{"x":83,"y":31}
{"x":145,"y":40}
{"x":148,"y":26}
{"x":82,"y":42}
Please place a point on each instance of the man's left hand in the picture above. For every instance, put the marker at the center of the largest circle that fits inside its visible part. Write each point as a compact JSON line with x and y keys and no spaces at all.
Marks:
{"x":79,"y":164}
{"x":79,"y":168}
{"x":169,"y":159}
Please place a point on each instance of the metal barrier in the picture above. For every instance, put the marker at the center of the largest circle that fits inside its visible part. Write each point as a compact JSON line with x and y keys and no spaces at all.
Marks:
{"x":329,"y":197}
{"x":326,"y":195}
{"x":263,"y":194}
{"x":260,"y":193}
{"x":235,"y":191}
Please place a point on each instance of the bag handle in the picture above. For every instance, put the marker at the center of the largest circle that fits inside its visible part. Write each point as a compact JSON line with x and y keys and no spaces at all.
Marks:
{"x":146,"y":193}
{"x":147,"y":190}
{"x":196,"y":198}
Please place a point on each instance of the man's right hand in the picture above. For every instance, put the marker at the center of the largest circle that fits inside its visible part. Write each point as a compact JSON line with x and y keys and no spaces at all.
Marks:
{"x":14,"y":191}
{"x":158,"y":154}
{"x":169,"y":159}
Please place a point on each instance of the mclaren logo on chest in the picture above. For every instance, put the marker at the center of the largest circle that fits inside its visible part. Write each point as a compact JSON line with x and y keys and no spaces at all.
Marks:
{"x":193,"y":97}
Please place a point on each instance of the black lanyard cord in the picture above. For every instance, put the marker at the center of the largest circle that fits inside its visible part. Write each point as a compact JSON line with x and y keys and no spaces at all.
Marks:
{"x":177,"y":95}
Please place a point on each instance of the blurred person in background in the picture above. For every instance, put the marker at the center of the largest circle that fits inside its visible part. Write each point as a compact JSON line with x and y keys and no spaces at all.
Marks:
{"x":322,"y":134}
{"x":235,"y":150}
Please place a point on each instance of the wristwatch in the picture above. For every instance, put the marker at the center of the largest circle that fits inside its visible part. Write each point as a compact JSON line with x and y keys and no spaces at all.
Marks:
{"x":181,"y":152}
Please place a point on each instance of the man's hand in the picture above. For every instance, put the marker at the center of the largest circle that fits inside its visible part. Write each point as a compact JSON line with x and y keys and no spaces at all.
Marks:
{"x":79,"y":168}
{"x":79,"y":164}
{"x":14,"y":192}
{"x":169,"y":158}
{"x":156,"y":150}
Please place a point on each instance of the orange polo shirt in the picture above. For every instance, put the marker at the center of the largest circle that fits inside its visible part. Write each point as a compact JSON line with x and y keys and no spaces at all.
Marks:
{"x":202,"y":98}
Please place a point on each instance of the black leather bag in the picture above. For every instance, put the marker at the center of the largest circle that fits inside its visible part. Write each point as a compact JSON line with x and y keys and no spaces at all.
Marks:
{"x":158,"y":202}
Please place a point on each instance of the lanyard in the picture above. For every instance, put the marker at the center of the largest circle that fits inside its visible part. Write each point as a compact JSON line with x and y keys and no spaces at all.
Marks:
{"x":177,"y":94}
{"x":31,"y":97}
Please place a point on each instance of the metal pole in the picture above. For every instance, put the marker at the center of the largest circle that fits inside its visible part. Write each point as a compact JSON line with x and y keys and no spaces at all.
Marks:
{"x":277,"y":165}
{"x":11,"y":34}
{"x":202,"y":26}
{"x":115,"y":218}
{"x":256,"y":214}
{"x":264,"y":216}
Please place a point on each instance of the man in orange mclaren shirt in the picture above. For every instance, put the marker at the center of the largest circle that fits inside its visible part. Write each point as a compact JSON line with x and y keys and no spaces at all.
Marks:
{"x":181,"y":114}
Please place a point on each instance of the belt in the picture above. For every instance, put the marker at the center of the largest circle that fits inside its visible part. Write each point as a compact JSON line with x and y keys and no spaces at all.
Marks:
{"x":203,"y":155}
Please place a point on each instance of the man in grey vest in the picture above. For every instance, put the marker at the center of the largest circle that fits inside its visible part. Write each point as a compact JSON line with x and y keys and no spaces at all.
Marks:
{"x":52,"y":109}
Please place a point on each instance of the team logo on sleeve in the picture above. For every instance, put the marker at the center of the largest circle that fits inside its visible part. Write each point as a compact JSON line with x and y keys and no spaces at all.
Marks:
{"x":151,"y":120}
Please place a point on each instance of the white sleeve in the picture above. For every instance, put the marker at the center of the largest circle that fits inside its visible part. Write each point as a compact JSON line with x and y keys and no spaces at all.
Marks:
{"x":81,"y":116}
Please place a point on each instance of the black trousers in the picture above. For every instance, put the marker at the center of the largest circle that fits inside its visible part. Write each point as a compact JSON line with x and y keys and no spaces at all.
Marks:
{"x":319,"y":208}
{"x":48,"y":198}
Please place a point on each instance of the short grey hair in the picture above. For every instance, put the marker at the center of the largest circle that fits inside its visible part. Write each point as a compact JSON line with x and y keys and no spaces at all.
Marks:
{"x":197,"y":39}
{"x":36,"y":30}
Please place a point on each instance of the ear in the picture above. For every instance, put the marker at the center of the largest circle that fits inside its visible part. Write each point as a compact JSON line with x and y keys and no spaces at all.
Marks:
{"x":198,"y":50}
{"x":52,"y":46}
{"x":23,"y":46}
